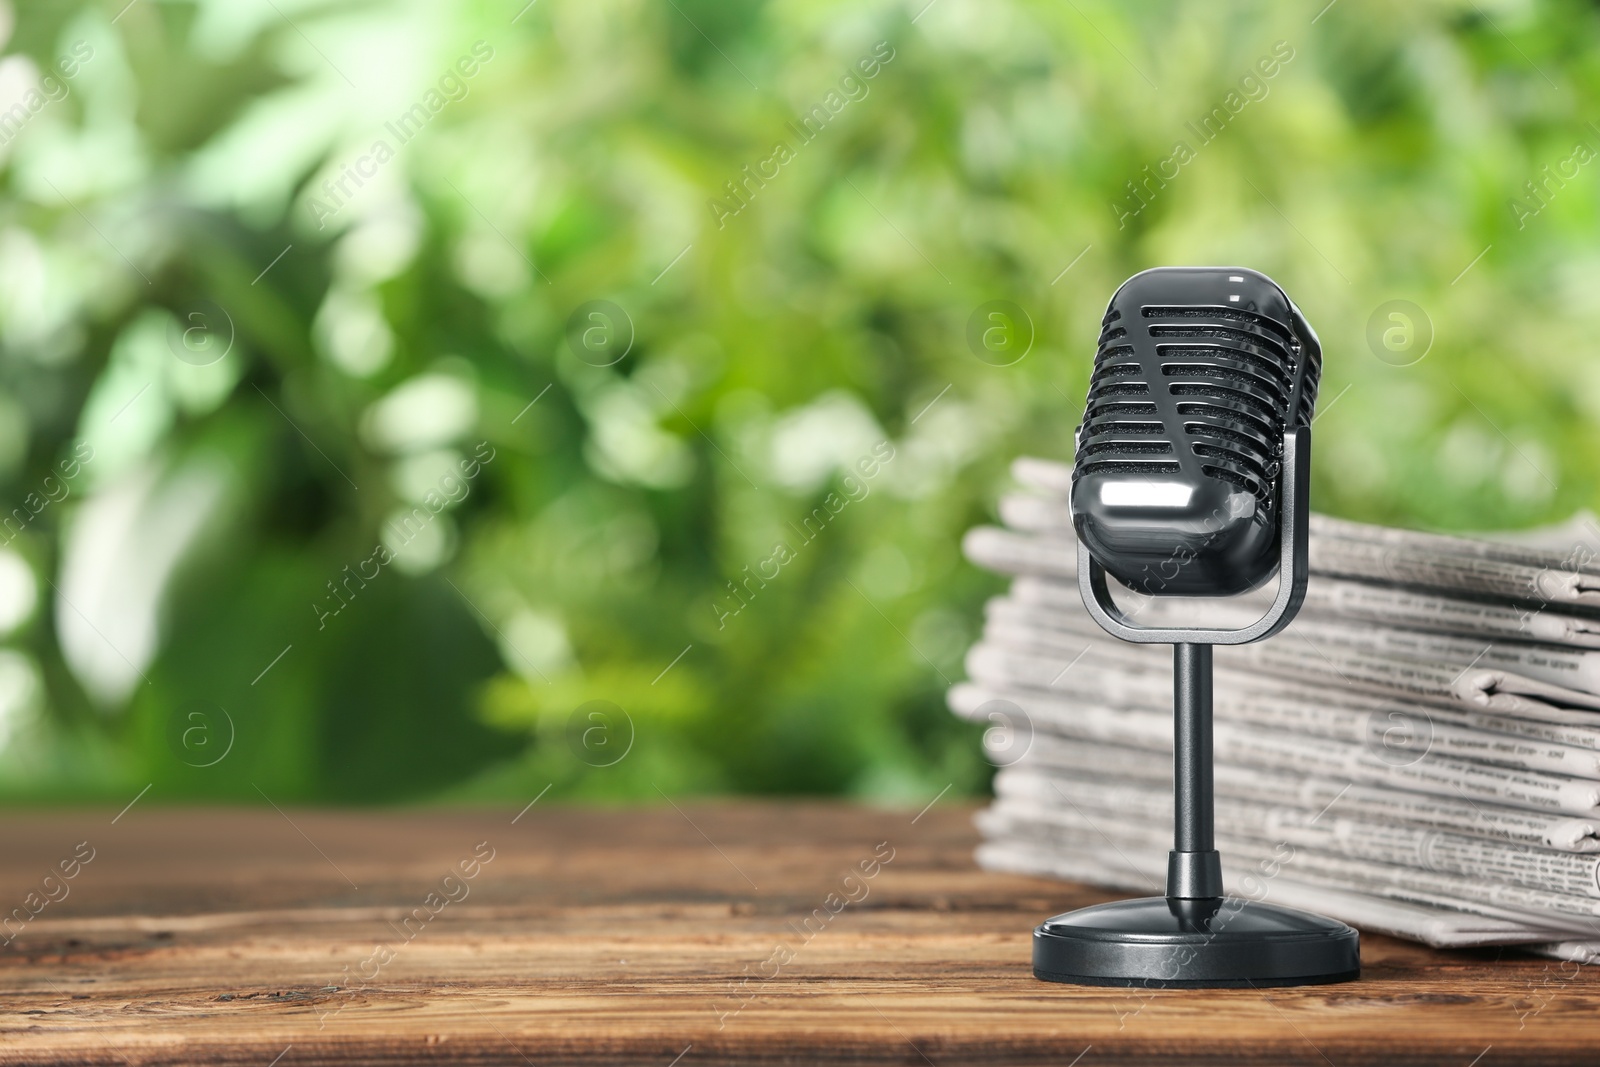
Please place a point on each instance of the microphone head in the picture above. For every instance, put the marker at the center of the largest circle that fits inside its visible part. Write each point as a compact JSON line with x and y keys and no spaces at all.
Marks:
{"x":1200,"y":372}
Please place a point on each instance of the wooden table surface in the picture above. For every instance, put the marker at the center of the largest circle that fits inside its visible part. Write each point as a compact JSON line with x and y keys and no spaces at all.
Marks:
{"x":746,"y":933}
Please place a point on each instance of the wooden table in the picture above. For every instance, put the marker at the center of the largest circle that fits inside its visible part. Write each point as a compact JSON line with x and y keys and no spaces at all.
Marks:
{"x":740,"y":932}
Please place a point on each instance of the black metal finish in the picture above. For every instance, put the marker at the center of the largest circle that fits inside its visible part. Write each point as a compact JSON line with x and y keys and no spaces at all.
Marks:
{"x":1294,"y":509}
{"x":1194,"y":875}
{"x":1194,"y":869}
{"x":1194,"y":828}
{"x":1200,"y":373}
{"x":1160,"y":943}
{"x":1192,"y":478}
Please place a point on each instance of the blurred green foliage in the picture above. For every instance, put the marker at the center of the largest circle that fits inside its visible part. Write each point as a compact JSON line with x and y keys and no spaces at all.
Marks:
{"x":285,"y":269}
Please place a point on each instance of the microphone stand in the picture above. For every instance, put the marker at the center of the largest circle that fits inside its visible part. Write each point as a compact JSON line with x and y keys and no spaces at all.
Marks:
{"x":1195,"y":936}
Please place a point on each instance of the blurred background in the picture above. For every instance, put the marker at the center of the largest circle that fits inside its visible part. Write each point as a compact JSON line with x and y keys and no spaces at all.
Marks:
{"x":408,"y":401}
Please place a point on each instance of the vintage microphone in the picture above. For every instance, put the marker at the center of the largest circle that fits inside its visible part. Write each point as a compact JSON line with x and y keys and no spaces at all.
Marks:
{"x":1191,"y":480}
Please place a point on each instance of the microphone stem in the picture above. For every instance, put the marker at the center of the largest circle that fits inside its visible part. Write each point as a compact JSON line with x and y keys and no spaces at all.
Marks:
{"x":1194,"y":870}
{"x":1195,"y":822}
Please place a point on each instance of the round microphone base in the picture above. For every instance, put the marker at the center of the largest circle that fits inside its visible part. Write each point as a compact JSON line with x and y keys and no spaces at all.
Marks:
{"x":1210,"y":943}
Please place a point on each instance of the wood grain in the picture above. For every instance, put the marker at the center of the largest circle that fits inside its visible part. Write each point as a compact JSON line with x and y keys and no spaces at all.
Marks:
{"x":638,"y":936}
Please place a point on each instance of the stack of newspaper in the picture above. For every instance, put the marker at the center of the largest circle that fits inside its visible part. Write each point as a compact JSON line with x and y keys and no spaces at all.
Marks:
{"x":1418,"y":754}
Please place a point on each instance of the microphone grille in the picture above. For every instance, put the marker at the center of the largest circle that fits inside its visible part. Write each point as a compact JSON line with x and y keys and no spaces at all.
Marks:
{"x":1198,"y":373}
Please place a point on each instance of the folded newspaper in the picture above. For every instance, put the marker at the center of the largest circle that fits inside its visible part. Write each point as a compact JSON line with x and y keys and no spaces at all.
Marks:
{"x":1418,"y":754}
